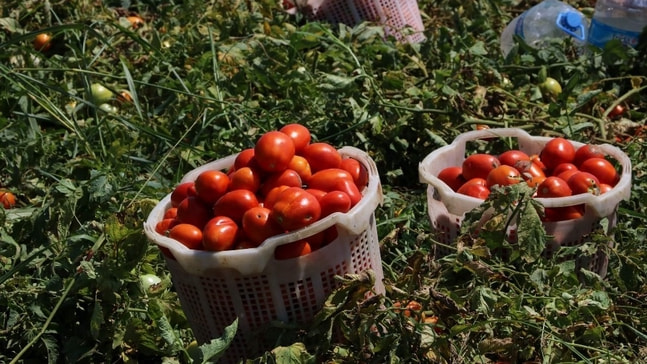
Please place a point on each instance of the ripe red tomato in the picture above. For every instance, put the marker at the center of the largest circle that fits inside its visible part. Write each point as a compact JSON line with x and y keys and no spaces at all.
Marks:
{"x":357,"y":171}
{"x":563,"y":167}
{"x":604,"y":188}
{"x":164,"y":226}
{"x":553,"y":186}
{"x":587,"y":151}
{"x":287,"y":177}
{"x":537,"y":160}
{"x":273,"y":151}
{"x":219,"y":234}
{"x":511,"y":157}
{"x":301,"y":166}
{"x":617,"y":110}
{"x":299,"y":134}
{"x":452,"y":176}
{"x":194,"y":211}
{"x":531,"y":172}
{"x":557,"y":150}
{"x":563,"y":213}
{"x":316,"y":193}
{"x":211,"y":185}
{"x":258,"y":226}
{"x":182,"y":191}
{"x":233,"y":204}
{"x":244,"y":158}
{"x":187,"y":234}
{"x":7,"y":199}
{"x":295,"y":208}
{"x":479,"y":165}
{"x":316,"y":240}
{"x":244,"y":178}
{"x":332,"y":179}
{"x":566,"y":175}
{"x":476,"y":187}
{"x":321,"y":156}
{"x":602,"y":169}
{"x":273,"y":195}
{"x":42,"y":42}
{"x":170,"y":213}
{"x":503,"y":175}
{"x":292,"y":250}
{"x":584,"y":182}
{"x":334,"y":201}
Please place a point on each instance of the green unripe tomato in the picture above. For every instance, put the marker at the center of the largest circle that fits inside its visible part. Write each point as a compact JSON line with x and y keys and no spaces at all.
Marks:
{"x":151,"y":284}
{"x":110,"y":109}
{"x":551,"y":87}
{"x":100,"y":93}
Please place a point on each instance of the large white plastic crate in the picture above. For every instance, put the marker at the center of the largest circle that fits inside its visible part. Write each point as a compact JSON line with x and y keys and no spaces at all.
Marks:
{"x":215,"y":288}
{"x":400,"y":18}
{"x":447,"y":208}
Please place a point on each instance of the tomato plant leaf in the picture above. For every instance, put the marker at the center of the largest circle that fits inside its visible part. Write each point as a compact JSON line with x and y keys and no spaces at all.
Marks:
{"x":214,"y":349}
{"x":293,"y":354}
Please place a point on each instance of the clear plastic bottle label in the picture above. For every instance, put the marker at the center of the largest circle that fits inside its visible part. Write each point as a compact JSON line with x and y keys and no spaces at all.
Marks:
{"x":518,"y":29}
{"x":600,"y":33}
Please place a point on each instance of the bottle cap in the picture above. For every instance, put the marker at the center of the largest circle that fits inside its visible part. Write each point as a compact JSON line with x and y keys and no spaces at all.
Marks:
{"x":571,"y":22}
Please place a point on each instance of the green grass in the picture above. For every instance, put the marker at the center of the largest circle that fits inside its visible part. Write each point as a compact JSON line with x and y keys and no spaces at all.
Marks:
{"x":207,"y":78}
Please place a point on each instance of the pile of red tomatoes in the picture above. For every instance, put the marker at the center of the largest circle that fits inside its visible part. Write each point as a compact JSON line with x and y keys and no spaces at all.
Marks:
{"x":284,"y":183}
{"x":559,"y":170}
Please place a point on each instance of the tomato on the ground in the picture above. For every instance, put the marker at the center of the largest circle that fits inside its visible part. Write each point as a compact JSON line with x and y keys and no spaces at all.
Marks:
{"x":42,"y":42}
{"x":7,"y":199}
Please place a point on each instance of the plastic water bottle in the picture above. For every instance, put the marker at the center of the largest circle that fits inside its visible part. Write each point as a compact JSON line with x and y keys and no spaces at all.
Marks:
{"x":618,"y":19}
{"x":546,"y":20}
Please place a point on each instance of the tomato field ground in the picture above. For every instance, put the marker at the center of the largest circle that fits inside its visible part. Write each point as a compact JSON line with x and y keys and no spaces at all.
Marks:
{"x":102,"y":119}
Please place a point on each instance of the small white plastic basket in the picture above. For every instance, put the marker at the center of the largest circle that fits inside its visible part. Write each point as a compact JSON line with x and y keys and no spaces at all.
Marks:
{"x":401,"y":18}
{"x":447,"y":208}
{"x":251,"y":285}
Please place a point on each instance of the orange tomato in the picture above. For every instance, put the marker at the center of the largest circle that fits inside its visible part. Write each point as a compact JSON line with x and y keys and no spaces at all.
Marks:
{"x":42,"y":42}
{"x":7,"y":199}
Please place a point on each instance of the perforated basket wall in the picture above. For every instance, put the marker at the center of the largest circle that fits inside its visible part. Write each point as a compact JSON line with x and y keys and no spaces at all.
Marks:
{"x":401,"y":18}
{"x":250,"y":284}
{"x":447,"y":209}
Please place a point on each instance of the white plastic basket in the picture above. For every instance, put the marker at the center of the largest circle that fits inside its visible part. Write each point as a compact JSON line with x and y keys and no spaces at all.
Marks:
{"x":447,"y":208}
{"x":251,"y":285}
{"x":401,"y":18}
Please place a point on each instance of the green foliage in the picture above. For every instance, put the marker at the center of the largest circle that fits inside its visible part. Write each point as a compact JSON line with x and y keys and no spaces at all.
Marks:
{"x":206,"y":79}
